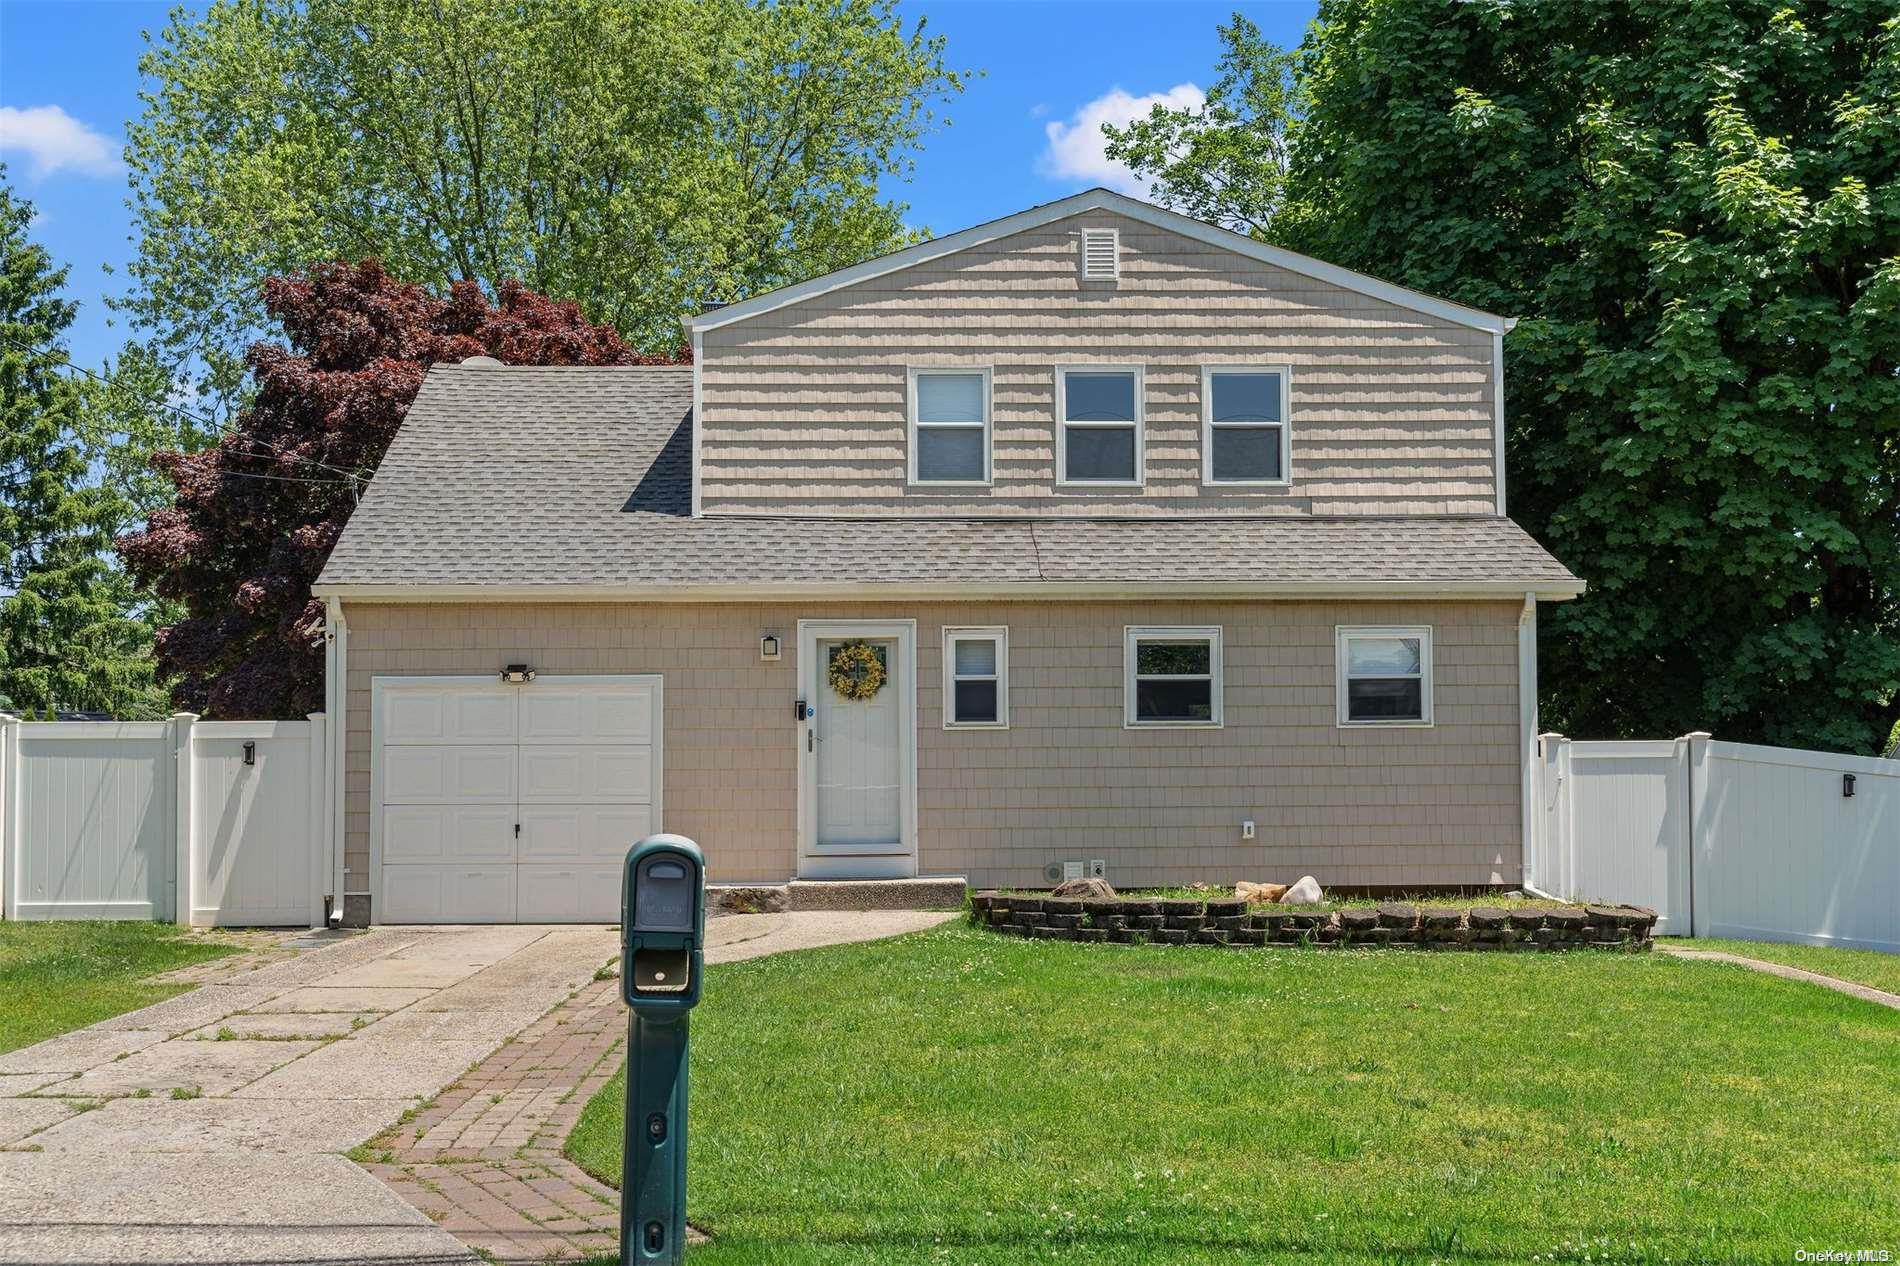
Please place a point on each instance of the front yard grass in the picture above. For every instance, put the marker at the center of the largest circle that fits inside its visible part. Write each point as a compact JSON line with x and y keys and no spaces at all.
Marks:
{"x":55,"y":977}
{"x":957,"y":1096}
{"x":1858,"y":966}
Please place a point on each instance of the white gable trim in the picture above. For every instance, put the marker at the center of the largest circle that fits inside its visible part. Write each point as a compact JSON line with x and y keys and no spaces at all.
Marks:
{"x":1100,"y":200}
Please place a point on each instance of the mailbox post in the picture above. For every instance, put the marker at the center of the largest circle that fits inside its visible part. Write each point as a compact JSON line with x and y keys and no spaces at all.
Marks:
{"x":662,"y":935}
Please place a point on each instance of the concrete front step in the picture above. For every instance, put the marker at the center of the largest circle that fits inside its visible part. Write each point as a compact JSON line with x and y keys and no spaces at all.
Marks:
{"x":937,"y":893}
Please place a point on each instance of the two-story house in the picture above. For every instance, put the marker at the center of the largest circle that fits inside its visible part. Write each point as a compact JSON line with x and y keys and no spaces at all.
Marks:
{"x":1089,"y":535}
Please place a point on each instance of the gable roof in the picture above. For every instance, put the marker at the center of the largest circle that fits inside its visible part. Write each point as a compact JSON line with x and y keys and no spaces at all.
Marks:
{"x":576,"y":484}
{"x":1101,"y":200}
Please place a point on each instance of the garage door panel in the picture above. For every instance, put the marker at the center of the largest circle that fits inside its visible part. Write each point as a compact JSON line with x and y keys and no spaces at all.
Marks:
{"x":582,"y":832}
{"x":428,"y":893}
{"x":449,"y":713}
{"x":568,"y":894}
{"x":582,"y":774}
{"x":446,"y":774}
{"x":448,"y":833}
{"x":588,"y":714}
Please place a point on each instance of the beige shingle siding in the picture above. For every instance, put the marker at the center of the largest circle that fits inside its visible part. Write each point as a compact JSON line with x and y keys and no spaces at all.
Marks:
{"x":804,"y":406}
{"x":1408,"y":807}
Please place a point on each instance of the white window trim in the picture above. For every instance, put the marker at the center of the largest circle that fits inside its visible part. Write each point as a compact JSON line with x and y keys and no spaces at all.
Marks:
{"x":997,"y":633}
{"x":1343,"y":633}
{"x":913,"y":425}
{"x":1285,"y":425}
{"x":1063,"y":424}
{"x":1134,"y":633}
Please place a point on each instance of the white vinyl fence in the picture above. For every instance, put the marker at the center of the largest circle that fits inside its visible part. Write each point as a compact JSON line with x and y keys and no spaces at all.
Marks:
{"x":101,"y":819}
{"x":1723,"y":839}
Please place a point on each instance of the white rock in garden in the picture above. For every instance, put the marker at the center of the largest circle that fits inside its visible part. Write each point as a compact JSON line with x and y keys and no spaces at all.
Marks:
{"x":1304,"y":893}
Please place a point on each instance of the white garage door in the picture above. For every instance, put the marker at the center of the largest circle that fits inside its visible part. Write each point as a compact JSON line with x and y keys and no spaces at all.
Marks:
{"x":511,"y":804}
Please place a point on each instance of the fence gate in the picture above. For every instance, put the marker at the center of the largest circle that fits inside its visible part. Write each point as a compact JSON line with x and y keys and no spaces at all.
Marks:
{"x":1723,"y":839}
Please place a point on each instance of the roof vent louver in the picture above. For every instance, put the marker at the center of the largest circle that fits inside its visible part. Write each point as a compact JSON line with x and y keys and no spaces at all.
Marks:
{"x":484,"y":361}
{"x":1101,"y":254}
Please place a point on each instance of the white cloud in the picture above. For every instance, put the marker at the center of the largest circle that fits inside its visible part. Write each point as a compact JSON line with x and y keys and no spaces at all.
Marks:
{"x":1076,"y":148}
{"x":54,"y":140}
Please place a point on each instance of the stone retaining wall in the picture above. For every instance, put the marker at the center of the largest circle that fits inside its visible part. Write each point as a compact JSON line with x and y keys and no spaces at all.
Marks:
{"x":1230,"y":921}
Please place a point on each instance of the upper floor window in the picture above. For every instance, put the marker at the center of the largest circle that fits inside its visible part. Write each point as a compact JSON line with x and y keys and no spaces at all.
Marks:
{"x":1098,"y":424}
{"x":1244,"y":436}
{"x":950,"y":426}
{"x":1171,"y":676}
{"x":1385,"y":675}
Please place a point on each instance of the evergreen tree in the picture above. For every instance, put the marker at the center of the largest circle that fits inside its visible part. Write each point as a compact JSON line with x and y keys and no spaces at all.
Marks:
{"x":72,"y":632}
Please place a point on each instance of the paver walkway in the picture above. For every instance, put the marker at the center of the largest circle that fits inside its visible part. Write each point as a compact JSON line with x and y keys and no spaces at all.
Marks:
{"x":211,"y":1126}
{"x":484,"y":1161}
{"x":1867,"y":993}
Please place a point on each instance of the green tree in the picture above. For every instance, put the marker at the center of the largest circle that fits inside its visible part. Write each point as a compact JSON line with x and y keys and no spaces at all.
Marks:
{"x":640,"y":157}
{"x":72,"y":632}
{"x":1695,"y":208}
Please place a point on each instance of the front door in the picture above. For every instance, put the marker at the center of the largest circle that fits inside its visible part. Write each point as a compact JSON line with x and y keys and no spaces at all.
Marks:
{"x":857,"y":750}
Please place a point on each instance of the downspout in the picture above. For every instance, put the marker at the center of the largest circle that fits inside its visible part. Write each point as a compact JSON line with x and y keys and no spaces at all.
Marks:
{"x":1527,"y":735}
{"x":336,"y":632}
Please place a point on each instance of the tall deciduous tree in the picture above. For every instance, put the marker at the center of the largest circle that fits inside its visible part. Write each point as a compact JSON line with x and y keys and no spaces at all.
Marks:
{"x":256,"y":515}
{"x":639,"y":157}
{"x":73,"y":634}
{"x":1695,"y":207}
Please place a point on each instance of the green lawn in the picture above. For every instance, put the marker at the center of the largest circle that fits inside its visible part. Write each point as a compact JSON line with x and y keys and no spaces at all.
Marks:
{"x":957,"y":1096}
{"x":1862,"y":967}
{"x":60,"y":976}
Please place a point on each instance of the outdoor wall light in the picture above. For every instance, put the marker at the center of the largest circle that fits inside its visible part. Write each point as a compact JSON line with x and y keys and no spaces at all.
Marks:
{"x":517,"y":674}
{"x":250,"y":753}
{"x":768,"y":646}
{"x":1847,"y":785}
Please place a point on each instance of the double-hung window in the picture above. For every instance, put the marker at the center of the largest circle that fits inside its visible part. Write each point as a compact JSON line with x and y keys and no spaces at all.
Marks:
{"x":976,"y":678}
{"x":1385,"y":675}
{"x":1244,"y":436}
{"x":950,"y":426}
{"x":1171,"y":676}
{"x":1098,"y":425}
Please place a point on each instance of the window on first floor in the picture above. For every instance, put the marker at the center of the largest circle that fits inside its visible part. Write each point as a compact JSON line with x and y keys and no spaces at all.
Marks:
{"x":950,"y":426}
{"x":976,"y":677}
{"x":1385,"y":675}
{"x":1244,"y":430}
{"x":1171,"y":676}
{"x":1098,"y":425}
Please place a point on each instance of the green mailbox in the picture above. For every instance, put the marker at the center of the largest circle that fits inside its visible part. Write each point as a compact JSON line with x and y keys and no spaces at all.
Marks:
{"x":662,"y":939}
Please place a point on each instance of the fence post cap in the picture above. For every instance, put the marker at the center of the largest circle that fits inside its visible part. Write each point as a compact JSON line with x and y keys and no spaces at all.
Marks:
{"x":184,"y":716}
{"x":1698,"y":734}
{"x":1550,"y":734}
{"x":313,"y":716}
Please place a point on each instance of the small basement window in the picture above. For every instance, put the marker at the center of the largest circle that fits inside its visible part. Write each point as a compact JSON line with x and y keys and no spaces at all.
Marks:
{"x":1171,"y":676}
{"x":1098,"y":425}
{"x":1101,"y":254}
{"x":950,"y":426}
{"x":1244,"y":437}
{"x":976,"y":678}
{"x":1385,"y":676}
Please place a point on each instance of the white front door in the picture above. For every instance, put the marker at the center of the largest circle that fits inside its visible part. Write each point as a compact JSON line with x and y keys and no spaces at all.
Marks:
{"x":501,"y":804}
{"x":857,"y":755}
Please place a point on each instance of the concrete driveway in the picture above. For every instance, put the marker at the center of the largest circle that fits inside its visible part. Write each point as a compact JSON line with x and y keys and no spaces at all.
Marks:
{"x":210,"y":1127}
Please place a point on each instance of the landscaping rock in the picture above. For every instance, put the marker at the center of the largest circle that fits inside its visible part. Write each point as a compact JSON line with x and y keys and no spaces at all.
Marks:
{"x":1358,"y":921}
{"x":1137,"y":909}
{"x":1019,"y":904}
{"x":1491,"y":917}
{"x":1259,"y":892}
{"x":1305,"y":892}
{"x":1440,"y":920}
{"x":1226,"y":907}
{"x":1103,"y":909}
{"x":1527,"y":918}
{"x":1603,"y":916}
{"x":1183,"y":907}
{"x":1172,"y":936}
{"x":755,"y":900}
{"x":1089,"y":889}
{"x":1566,"y":920}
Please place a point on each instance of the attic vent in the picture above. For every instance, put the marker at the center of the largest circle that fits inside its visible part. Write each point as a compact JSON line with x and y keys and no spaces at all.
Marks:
{"x":1101,"y":254}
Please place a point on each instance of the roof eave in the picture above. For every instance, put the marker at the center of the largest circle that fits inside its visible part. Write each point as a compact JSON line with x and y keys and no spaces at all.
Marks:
{"x":1545,"y":590}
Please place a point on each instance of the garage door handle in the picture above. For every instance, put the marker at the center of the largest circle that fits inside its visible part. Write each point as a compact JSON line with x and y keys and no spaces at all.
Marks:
{"x":517,"y":830}
{"x":809,"y":740}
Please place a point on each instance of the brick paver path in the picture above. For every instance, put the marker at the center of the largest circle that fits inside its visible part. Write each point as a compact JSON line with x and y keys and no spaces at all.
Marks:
{"x":484,"y":1159}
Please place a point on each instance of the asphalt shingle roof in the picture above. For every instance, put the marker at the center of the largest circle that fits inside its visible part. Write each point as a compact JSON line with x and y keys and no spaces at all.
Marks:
{"x":525,"y":477}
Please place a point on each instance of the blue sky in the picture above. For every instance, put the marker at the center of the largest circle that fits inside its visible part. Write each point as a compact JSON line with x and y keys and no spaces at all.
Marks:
{"x":1025,"y":131}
